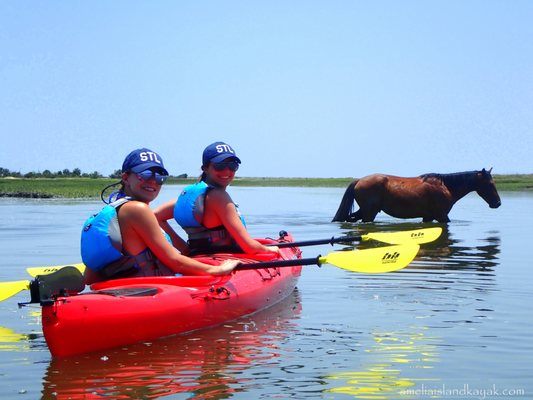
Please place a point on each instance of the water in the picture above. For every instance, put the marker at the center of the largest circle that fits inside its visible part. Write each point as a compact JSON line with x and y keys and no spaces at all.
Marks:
{"x":454,"y":324}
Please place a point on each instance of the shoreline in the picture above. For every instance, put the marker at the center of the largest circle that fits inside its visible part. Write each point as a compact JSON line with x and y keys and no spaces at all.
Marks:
{"x":47,"y":188}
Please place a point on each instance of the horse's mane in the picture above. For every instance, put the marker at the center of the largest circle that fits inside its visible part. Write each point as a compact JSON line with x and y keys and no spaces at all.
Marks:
{"x":453,"y":179}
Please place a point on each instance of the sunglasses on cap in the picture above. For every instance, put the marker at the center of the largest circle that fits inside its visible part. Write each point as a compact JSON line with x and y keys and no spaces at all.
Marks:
{"x":148,"y":174}
{"x":221,"y":166}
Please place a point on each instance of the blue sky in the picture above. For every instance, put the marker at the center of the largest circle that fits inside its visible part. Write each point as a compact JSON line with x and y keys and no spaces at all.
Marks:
{"x":298,"y":88}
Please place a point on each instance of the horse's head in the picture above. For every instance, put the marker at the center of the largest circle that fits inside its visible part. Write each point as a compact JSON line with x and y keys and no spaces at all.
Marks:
{"x":487,"y":189}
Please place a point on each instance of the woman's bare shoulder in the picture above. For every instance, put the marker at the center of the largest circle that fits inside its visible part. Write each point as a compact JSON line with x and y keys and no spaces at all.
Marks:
{"x":218,"y":194}
{"x":135,"y":207}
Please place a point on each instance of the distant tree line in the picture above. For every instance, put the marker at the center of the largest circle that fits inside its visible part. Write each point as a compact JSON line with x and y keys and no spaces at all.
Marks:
{"x":66,"y":173}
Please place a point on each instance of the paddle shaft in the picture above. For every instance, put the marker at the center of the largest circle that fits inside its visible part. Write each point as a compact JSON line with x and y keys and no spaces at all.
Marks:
{"x":281,"y":263}
{"x":319,"y":241}
{"x":416,"y":236}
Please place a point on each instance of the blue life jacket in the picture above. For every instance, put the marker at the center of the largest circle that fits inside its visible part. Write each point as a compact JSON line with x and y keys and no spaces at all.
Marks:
{"x":189,"y":214}
{"x":101,"y":246}
{"x":101,"y":240}
{"x":189,"y":208}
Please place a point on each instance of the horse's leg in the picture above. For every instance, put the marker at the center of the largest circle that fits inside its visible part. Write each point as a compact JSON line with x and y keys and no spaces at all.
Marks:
{"x":368,"y":195}
{"x":354,"y":217}
{"x":364,"y":217}
{"x":443,"y":219}
{"x":440,"y":214}
{"x":366,"y":213}
{"x":369,"y":207}
{"x":370,"y":216}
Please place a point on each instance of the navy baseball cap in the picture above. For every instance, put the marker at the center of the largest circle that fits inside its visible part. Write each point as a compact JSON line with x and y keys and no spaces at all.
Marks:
{"x":142,"y":159}
{"x":217,"y":152}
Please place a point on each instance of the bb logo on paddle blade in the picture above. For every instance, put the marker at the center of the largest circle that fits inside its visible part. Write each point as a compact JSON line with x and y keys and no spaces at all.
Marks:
{"x":390,"y":258}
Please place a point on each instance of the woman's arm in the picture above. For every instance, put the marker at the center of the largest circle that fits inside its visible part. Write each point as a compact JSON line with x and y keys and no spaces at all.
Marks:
{"x":221,"y":204}
{"x":163,"y":213}
{"x":140,"y":229}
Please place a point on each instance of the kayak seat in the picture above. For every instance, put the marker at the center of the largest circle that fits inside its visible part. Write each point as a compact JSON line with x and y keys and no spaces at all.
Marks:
{"x":66,"y":281}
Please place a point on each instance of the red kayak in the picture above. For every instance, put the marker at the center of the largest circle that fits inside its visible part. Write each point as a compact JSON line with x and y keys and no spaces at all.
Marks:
{"x":126,"y":311}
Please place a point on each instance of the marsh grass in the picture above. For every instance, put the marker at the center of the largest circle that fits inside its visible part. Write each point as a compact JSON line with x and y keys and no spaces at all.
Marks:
{"x":53,"y":187}
{"x":91,"y":187}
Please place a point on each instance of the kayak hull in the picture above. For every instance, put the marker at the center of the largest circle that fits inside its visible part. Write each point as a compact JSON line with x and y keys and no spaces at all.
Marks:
{"x":126,"y":311}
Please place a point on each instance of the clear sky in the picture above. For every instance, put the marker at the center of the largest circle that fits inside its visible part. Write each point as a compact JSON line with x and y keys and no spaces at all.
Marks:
{"x":300,"y":88}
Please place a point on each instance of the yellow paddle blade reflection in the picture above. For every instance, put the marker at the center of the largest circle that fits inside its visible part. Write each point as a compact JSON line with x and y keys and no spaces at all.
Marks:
{"x":389,"y":376}
{"x":9,"y":339}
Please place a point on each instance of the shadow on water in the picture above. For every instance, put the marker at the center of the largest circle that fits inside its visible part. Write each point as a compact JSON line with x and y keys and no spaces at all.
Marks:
{"x":208,"y":364}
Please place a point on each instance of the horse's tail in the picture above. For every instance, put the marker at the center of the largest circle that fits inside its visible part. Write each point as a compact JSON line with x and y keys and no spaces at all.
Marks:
{"x":346,"y":203}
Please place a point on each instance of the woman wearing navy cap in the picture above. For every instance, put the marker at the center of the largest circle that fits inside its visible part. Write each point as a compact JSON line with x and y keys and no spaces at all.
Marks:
{"x":124,"y":239}
{"x":206,"y":211}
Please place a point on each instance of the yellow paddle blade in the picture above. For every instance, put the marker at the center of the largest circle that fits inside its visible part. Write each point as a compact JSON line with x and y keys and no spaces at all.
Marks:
{"x":34,"y":271}
{"x":9,"y":289}
{"x":417,"y":236}
{"x":373,"y":261}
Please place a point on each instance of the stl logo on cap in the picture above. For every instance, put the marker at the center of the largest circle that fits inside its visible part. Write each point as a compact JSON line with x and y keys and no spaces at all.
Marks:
{"x":142,"y":159}
{"x":224,"y":148}
{"x":149,"y":156}
{"x":217,"y":152}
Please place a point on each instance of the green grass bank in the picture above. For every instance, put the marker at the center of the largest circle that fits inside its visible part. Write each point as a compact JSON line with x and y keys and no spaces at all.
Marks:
{"x":91,"y":187}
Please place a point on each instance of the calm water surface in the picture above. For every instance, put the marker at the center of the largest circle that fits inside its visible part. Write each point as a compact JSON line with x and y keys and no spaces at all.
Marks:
{"x":456,"y":323}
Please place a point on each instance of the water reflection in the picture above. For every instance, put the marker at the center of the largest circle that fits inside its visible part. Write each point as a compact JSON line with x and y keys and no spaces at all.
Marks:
{"x":459,"y":274}
{"x":457,"y":254}
{"x":11,"y":340}
{"x":207,"y":364}
{"x":447,"y":287}
{"x":384,"y":378}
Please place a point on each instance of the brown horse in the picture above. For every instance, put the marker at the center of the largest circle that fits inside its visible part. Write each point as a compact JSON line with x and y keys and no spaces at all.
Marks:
{"x":429,"y":196}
